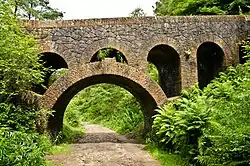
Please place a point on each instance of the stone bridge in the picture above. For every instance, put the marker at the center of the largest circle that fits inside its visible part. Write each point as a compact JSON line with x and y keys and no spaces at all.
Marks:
{"x":185,"y":50}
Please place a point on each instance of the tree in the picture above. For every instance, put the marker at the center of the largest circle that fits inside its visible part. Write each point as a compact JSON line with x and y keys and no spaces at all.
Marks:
{"x":35,"y":9}
{"x":138,"y":12}
{"x":201,"y":7}
{"x":19,"y":66}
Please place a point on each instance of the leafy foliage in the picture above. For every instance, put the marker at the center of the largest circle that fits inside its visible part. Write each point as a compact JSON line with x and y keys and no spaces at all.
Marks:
{"x":35,"y":9}
{"x":17,"y":118}
{"x":56,"y":74}
{"x":210,"y":126}
{"x":20,"y":144}
{"x":109,"y":105}
{"x":109,"y":53}
{"x":19,"y":66}
{"x":137,"y":12}
{"x":153,"y":72}
{"x":181,"y":125}
{"x":166,"y":159}
{"x":19,"y":148}
{"x":201,"y":7}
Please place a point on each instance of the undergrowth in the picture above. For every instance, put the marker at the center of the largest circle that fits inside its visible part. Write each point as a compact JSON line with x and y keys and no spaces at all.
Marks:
{"x":166,"y":158}
{"x":110,"y":106}
{"x":210,"y":126}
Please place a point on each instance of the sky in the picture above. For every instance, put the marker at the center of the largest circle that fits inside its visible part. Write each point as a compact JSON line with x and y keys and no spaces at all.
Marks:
{"x":83,"y":9}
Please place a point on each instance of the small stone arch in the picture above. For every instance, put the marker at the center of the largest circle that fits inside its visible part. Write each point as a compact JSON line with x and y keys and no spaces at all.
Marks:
{"x":167,"y":61}
{"x":228,"y":54}
{"x":53,"y":61}
{"x":48,"y":47}
{"x":170,"y":42}
{"x":112,"y":53}
{"x":210,"y":60}
{"x":57,"y":97}
{"x":123,"y":47}
{"x":159,"y":40}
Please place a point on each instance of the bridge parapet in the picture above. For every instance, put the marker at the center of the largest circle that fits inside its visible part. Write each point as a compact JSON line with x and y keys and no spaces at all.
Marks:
{"x":129,"y":21}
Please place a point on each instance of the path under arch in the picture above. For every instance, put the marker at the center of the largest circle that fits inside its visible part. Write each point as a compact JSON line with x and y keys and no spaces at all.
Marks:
{"x":101,"y":146}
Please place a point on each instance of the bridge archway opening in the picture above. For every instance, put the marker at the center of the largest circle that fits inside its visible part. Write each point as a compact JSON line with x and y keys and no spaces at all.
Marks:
{"x":105,"y":104}
{"x":146,"y":101}
{"x":167,"y":61}
{"x":111,"y":53}
{"x":210,"y":59}
{"x":56,"y":64}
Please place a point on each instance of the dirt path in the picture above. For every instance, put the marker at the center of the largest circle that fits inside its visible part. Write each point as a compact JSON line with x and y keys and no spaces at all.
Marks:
{"x":101,"y":146}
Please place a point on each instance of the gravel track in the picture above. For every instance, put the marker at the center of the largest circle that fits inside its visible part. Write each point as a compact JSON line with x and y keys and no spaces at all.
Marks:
{"x":101,"y":146}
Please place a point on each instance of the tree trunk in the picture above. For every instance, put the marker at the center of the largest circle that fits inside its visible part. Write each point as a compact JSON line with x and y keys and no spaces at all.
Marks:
{"x":16,"y":8}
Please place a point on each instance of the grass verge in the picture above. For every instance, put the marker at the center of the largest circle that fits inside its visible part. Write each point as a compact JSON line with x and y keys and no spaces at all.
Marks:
{"x":165,"y":158}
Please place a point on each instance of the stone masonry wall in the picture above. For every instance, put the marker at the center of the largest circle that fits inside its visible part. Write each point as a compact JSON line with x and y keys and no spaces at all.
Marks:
{"x":78,"y":40}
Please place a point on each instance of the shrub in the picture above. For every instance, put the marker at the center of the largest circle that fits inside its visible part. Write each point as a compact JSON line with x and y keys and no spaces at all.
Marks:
{"x":18,"y":148}
{"x":19,"y":66}
{"x":19,"y":71}
{"x":211,"y":126}
{"x":229,"y":142}
{"x":180,"y":124}
{"x":16,"y":117}
{"x":153,"y":72}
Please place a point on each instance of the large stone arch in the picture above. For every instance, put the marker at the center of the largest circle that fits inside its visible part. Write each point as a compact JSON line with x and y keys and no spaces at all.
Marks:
{"x":57,"y":97}
{"x":122,"y":46}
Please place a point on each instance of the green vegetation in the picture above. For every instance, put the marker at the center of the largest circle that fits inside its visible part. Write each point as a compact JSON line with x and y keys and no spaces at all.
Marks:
{"x":20,"y":70}
{"x":210,"y":126}
{"x":138,"y":12}
{"x":206,"y":127}
{"x":72,"y":127}
{"x":19,"y":148}
{"x":153,"y":72}
{"x":56,"y":74}
{"x":108,"y":105}
{"x":166,"y":158}
{"x":201,"y":7}
{"x":19,"y":67}
{"x":60,"y":149}
{"x":109,"y":53}
{"x":34,"y":9}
